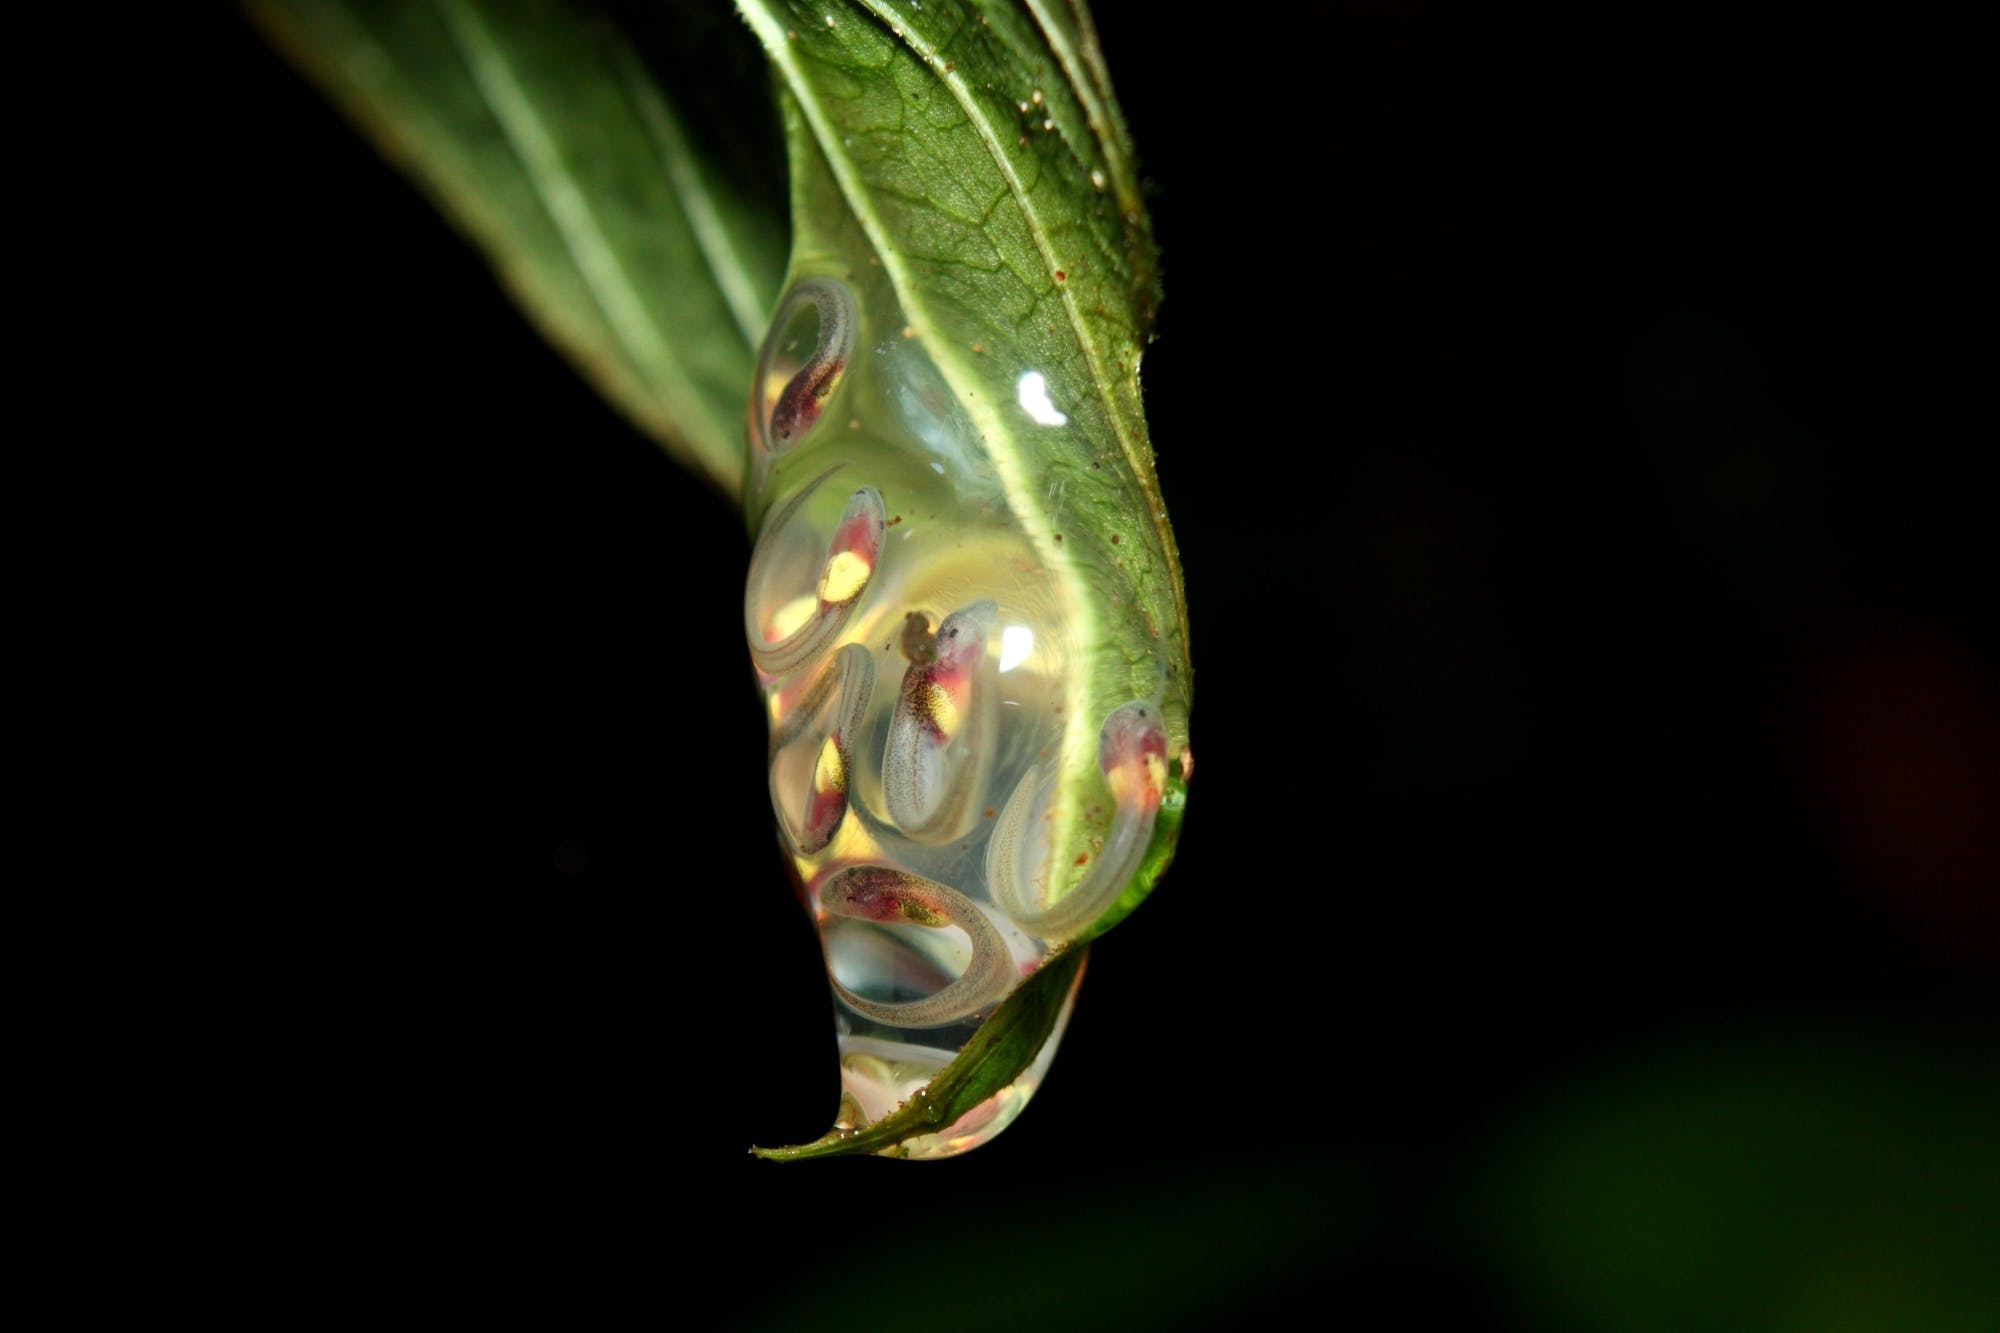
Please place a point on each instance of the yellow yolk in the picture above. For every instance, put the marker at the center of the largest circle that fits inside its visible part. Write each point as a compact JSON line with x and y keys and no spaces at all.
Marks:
{"x":933,"y":702}
{"x":846,"y":574}
{"x":830,"y":775}
{"x":790,"y":616}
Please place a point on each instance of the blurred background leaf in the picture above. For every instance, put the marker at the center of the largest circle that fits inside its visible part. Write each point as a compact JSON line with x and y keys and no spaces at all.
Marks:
{"x":1776,"y":1179}
{"x":628,"y":192}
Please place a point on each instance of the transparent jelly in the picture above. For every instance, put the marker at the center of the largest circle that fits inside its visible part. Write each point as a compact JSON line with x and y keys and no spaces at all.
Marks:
{"x":915,"y":649}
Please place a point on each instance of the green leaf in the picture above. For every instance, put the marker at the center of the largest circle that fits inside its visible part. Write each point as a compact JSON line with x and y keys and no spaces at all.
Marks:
{"x":975,"y":204}
{"x":614,"y":215}
{"x":1006,"y":1044}
{"x":978,"y":151}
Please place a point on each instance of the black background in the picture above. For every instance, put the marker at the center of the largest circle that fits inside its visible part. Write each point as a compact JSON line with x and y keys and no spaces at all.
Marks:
{"x":1575,"y":431}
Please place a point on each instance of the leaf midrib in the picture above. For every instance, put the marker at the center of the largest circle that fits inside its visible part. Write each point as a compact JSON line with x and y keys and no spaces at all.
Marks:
{"x":596,"y":260}
{"x":1139,"y":464}
{"x":1037,"y":229}
{"x":697,"y":203}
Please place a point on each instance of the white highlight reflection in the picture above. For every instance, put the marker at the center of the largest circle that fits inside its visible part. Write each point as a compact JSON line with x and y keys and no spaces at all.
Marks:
{"x":1033,"y":392}
{"x":1016,"y":642}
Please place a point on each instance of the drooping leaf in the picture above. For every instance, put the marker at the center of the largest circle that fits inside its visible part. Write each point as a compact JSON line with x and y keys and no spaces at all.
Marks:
{"x":978,"y":149}
{"x":565,"y":148}
{"x":963,"y":190}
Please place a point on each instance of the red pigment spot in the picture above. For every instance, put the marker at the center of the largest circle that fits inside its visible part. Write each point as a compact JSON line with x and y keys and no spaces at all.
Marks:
{"x":857,"y":537}
{"x":1114,"y":539}
{"x":798,"y":406}
{"x":899,"y":518}
{"x":989,"y":812}
{"x":1060,"y":275}
{"x":1058,"y":536}
{"x":874,"y":902}
{"x":1081,"y":857}
{"x":793,"y":417}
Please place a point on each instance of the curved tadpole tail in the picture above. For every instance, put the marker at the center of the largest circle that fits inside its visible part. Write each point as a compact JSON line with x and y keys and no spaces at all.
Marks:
{"x":999,"y":1052}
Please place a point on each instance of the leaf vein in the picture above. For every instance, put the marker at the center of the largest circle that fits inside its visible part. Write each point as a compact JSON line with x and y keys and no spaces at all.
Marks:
{"x":604,"y":278}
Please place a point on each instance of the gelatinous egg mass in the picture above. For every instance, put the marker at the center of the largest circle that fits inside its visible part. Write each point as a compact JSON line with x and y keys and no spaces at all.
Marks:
{"x":920,"y":653}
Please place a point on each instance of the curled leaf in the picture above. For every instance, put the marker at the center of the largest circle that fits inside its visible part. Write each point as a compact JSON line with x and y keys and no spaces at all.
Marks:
{"x":971,"y":284}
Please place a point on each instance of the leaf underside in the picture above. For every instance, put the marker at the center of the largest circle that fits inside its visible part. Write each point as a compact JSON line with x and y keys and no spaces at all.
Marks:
{"x":640,"y":228}
{"x":980,"y":150}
